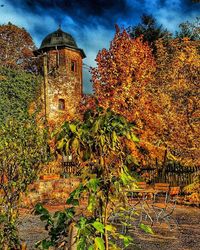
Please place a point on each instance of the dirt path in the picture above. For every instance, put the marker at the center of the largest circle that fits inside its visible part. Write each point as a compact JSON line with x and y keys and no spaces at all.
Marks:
{"x":185,"y":237}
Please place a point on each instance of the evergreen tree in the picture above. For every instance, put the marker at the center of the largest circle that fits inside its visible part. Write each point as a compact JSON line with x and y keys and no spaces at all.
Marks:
{"x":150,"y":30}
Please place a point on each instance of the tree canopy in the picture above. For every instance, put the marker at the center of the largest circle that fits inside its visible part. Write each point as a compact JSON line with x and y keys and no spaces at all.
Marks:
{"x":16,"y":47}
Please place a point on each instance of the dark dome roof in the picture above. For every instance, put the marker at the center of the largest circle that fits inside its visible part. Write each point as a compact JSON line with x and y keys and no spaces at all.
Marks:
{"x":58,"y":39}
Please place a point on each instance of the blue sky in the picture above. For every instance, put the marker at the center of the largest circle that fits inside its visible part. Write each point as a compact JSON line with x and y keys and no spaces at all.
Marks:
{"x":91,"y":23}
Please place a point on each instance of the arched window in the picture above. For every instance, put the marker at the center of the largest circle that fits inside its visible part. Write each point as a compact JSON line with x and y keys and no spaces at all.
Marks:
{"x":73,"y":66}
{"x":61,"y":104}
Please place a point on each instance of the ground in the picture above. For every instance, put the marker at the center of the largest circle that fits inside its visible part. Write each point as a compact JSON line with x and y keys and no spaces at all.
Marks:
{"x":185,"y":237}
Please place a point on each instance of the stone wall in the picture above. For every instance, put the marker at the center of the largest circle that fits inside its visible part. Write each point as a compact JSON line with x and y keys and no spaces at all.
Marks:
{"x":49,"y":192}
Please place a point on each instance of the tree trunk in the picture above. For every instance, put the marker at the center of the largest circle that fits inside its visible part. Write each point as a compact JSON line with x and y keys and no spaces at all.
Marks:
{"x":5,"y":247}
{"x":164,"y":165}
{"x":23,"y":246}
{"x":105,"y":223}
{"x":73,"y":231}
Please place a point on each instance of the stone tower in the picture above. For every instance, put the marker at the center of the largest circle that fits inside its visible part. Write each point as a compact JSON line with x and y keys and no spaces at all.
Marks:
{"x":62,"y":67}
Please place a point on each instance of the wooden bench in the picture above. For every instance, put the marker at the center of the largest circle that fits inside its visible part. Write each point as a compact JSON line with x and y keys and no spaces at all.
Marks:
{"x":141,"y":185}
{"x":161,"y":188}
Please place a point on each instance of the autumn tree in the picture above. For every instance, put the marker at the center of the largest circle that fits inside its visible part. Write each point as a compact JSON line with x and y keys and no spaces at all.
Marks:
{"x":177,"y":81}
{"x":16,"y":47}
{"x":88,"y":101}
{"x":124,"y":82}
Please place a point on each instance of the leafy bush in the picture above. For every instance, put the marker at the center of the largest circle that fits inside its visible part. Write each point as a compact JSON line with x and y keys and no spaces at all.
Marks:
{"x":22,"y":151}
{"x":17,"y":90}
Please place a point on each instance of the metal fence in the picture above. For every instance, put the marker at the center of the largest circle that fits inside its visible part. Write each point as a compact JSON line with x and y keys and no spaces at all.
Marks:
{"x":174,"y":174}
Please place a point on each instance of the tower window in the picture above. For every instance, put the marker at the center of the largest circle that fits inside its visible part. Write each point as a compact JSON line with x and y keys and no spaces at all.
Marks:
{"x":62,"y":59}
{"x":73,"y":66}
{"x":61,"y":104}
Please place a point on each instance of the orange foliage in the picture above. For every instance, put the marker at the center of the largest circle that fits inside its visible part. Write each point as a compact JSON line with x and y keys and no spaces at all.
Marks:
{"x":87,"y":102}
{"x":124,"y":81}
{"x":16,"y":47}
{"x":178,"y":78}
{"x":162,"y":98}
{"x":122,"y":74}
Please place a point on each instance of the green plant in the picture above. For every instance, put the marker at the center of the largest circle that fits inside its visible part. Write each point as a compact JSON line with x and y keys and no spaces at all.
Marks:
{"x":17,"y":90}
{"x":57,"y":226}
{"x":99,"y":144}
{"x":22,"y":151}
{"x":194,"y":187}
{"x":193,"y":190}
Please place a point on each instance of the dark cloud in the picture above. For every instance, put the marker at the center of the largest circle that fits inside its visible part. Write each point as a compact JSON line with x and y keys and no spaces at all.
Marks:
{"x":95,"y":8}
{"x":83,"y":11}
{"x":102,"y":12}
